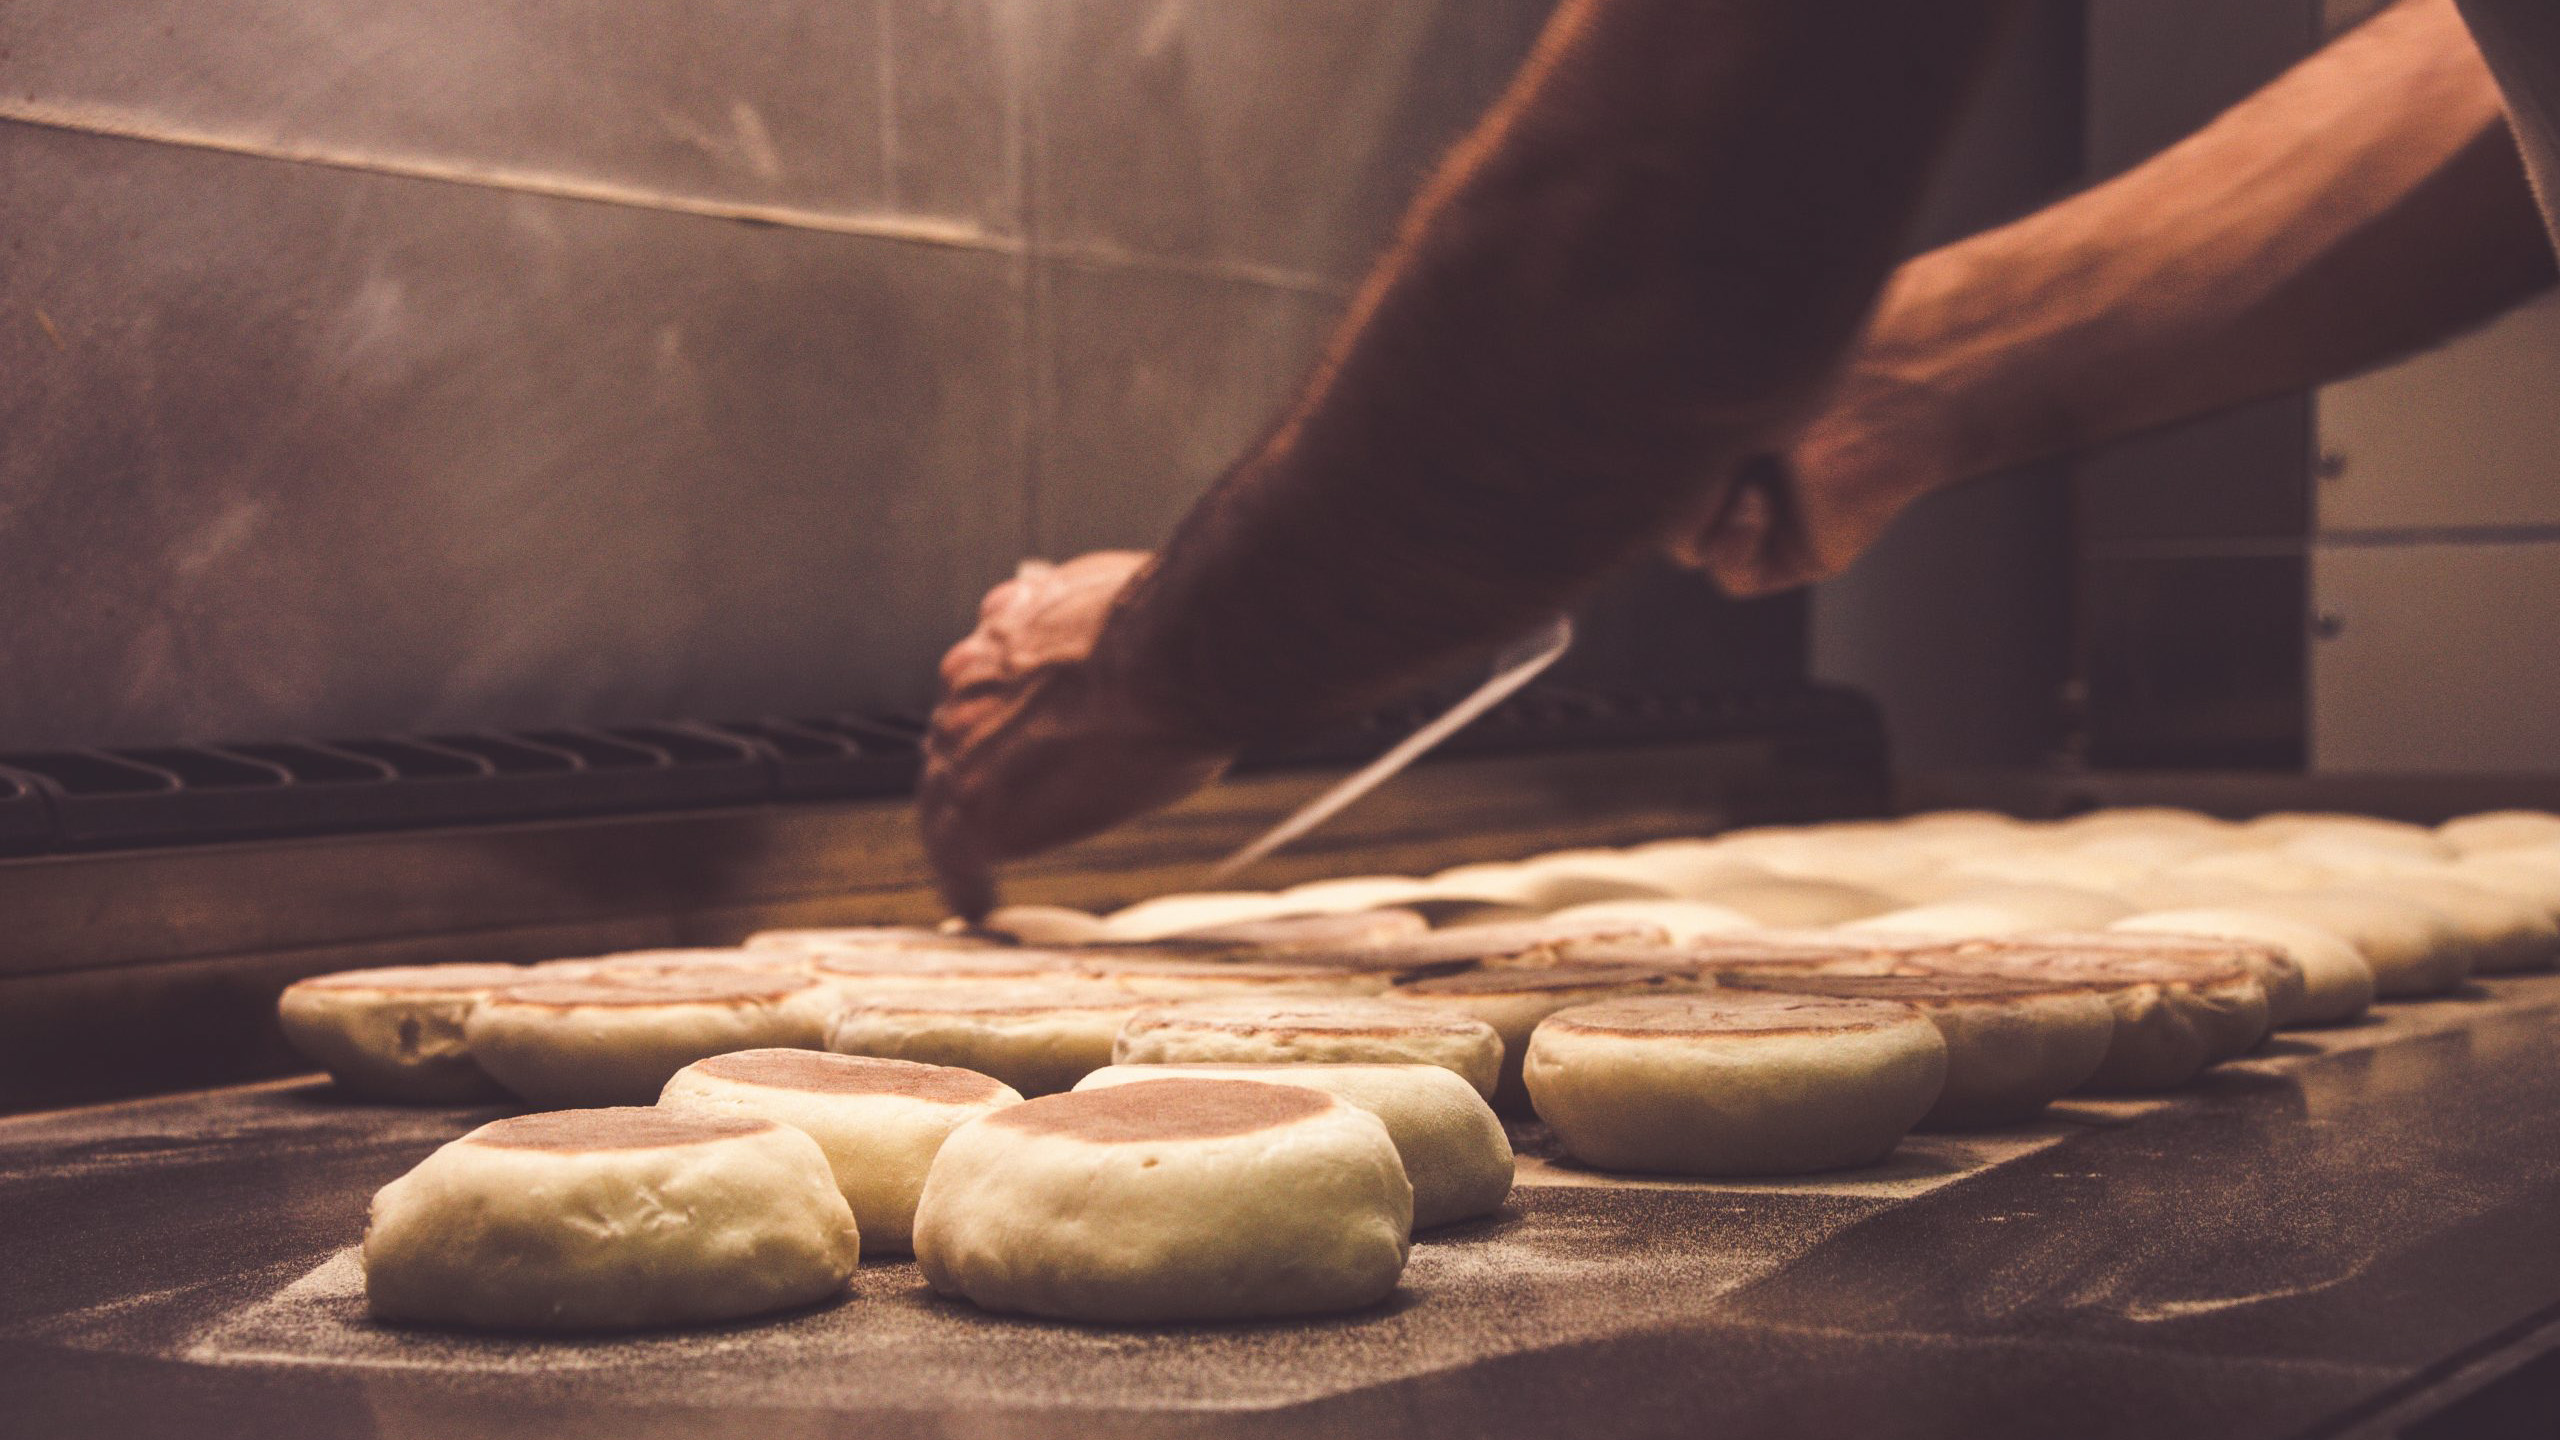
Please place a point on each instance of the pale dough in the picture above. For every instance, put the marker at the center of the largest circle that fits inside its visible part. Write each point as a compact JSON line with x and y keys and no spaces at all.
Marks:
{"x":1734,"y":1083}
{"x":395,"y":1033}
{"x":610,"y":1220}
{"x":1514,"y":1001}
{"x":1037,"y":1038}
{"x":614,"y":1040}
{"x":1169,"y":1200}
{"x":2013,"y":1046}
{"x":1453,"y":1146}
{"x":1396,"y":1032}
{"x":2337,"y":983}
{"x":880,"y":1122}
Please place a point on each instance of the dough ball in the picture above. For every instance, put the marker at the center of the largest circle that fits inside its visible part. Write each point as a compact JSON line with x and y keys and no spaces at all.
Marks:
{"x":1948,"y":919}
{"x":2173,"y":1016}
{"x":879,"y":1122}
{"x":2496,"y":830}
{"x":1172,"y":914}
{"x":1678,"y":919}
{"x":610,"y":1220}
{"x":1846,"y":951}
{"x":1538,"y":889}
{"x":1682,"y":869}
{"x":2337,"y":983}
{"x":1513,"y":1001}
{"x":1783,"y":902}
{"x":1169,"y":1200}
{"x":1044,"y":924}
{"x":2014,"y":1046}
{"x":1533,"y":943}
{"x":609,"y":1040}
{"x":2412,"y":948}
{"x":1453,"y":1147}
{"x":2278,"y":975}
{"x":2144,"y":820}
{"x":864,"y":972}
{"x":1734,"y":1083}
{"x":2265,"y":870}
{"x":1292,"y":933}
{"x":1292,"y":1031}
{"x":2531,"y":874}
{"x":1358,"y":892}
{"x":1160,"y":976}
{"x":1039,"y":1039}
{"x":2505,"y":933}
{"x":395,"y":1033}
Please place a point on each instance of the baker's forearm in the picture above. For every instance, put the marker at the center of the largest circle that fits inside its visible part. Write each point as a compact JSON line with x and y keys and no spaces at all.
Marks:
{"x":2367,"y":203}
{"x":1646,"y":259}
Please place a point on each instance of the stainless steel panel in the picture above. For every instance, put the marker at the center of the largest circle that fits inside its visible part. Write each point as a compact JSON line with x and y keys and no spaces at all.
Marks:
{"x":2465,"y":435}
{"x":890,"y":106}
{"x":1152,"y":384}
{"x":1281,"y":139}
{"x":296,"y":449}
{"x":2436,"y":659}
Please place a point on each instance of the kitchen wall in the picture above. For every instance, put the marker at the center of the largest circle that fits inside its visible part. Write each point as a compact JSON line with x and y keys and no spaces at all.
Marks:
{"x":387,"y":364}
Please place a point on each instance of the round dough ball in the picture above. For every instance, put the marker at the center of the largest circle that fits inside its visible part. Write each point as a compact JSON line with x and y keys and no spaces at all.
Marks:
{"x":2289,"y":824}
{"x":879,"y":1122}
{"x":2173,"y":1016}
{"x":1734,"y":1082}
{"x":2337,"y":984}
{"x":395,"y":1033}
{"x":1537,"y":888}
{"x":2265,"y":870}
{"x":1678,"y":919}
{"x":1358,"y":892}
{"x":1160,"y":976}
{"x":1289,"y":934}
{"x":1531,"y":943}
{"x":1453,"y":1147}
{"x":2278,"y":975}
{"x":2531,"y":873}
{"x":1044,"y":924}
{"x":2119,"y":820}
{"x":1169,"y":1200}
{"x":1392,"y":1032}
{"x":2014,"y":1046}
{"x":1947,"y":919}
{"x":1786,"y":902}
{"x":1683,"y":868}
{"x":2413,"y":948}
{"x":861,"y":973}
{"x":610,"y":1220}
{"x":1039,"y":1039}
{"x":2496,"y":830}
{"x":1165,"y":915}
{"x":608,"y":1040}
{"x":1513,"y":1001}
{"x":1845,"y":951}
{"x":2506,"y":934}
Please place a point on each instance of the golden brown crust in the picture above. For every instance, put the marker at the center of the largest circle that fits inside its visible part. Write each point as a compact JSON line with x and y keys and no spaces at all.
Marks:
{"x":2088,"y":968}
{"x":1145,"y":1111}
{"x":818,"y":1072}
{"x":1729,"y":1013}
{"x":620,"y":1127}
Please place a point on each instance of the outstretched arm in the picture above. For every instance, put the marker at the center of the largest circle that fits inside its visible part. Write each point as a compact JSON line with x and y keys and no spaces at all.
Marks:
{"x":2368,"y":202}
{"x":1641,"y":266}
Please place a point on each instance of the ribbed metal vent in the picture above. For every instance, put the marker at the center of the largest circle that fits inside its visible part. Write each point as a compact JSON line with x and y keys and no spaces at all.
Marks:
{"x":191,"y":794}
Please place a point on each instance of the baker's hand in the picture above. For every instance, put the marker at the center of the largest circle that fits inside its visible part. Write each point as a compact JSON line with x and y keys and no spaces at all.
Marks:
{"x":1036,"y":741}
{"x":1793,"y":518}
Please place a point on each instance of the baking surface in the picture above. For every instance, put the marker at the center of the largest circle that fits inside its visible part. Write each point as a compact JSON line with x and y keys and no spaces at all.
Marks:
{"x":2300,"y":1240}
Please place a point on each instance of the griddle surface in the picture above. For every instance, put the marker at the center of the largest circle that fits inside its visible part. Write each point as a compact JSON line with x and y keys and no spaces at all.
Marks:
{"x":2301,"y":1241}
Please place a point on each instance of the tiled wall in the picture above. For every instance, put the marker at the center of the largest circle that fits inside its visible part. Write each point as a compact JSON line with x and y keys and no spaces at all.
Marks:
{"x":385,"y":364}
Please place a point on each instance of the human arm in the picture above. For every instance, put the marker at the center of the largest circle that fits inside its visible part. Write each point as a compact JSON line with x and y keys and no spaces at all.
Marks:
{"x":2368,"y":202}
{"x":1638,"y":268}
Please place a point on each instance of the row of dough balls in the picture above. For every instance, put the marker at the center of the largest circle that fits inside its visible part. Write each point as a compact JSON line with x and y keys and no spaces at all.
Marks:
{"x":1150,"y":1194}
{"x":2366,"y":906}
